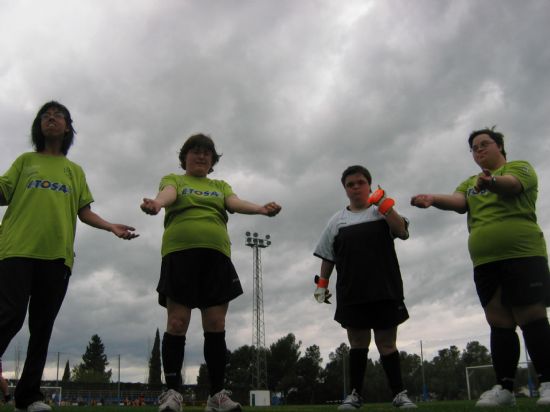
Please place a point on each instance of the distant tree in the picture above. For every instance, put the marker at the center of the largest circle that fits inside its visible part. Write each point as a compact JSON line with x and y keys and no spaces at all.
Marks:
{"x":92,"y":369}
{"x":203,"y":384}
{"x":411,"y":370}
{"x":476,"y":354}
{"x":308,"y":371}
{"x":66,"y":373}
{"x":239,"y":372}
{"x":446,"y":374}
{"x":155,"y":368}
{"x":375,"y":385}
{"x":335,"y":373}
{"x":282,"y":359}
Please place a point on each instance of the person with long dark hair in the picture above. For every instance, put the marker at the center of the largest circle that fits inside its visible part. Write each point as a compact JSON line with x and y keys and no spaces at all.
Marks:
{"x":45,"y":193}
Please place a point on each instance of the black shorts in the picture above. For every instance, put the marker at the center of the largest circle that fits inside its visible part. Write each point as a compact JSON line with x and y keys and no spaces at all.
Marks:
{"x":523,"y":281}
{"x":385,"y":314}
{"x":198,"y":278}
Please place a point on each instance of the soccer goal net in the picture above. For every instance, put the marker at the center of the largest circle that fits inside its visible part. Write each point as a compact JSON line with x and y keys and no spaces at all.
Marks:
{"x":481,"y":378}
{"x":52,"y":394}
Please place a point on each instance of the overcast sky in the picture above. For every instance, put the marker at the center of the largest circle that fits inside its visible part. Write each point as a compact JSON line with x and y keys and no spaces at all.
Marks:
{"x":292,"y":92}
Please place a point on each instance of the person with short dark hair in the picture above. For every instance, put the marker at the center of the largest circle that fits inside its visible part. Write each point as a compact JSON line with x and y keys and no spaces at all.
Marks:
{"x":196,"y":270}
{"x":359,"y":241}
{"x":509,"y":256}
{"x":45,"y":193}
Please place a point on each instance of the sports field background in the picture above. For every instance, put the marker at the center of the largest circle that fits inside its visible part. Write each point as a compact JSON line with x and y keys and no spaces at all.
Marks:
{"x":526,"y":405}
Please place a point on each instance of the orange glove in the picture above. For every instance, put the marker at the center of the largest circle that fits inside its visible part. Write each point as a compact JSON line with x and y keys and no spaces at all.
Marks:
{"x":378,"y":198}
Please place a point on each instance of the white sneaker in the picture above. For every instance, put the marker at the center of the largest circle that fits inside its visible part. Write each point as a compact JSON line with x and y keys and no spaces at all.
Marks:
{"x":544,"y":394}
{"x":170,"y":401}
{"x":37,"y":406}
{"x":496,"y":396}
{"x":352,"y":401}
{"x":221,"y":402}
{"x":402,"y":401}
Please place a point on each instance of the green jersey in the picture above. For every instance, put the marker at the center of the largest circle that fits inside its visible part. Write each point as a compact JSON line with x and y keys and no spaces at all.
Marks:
{"x":44,"y":194}
{"x":504,"y":227}
{"x":197,"y":219}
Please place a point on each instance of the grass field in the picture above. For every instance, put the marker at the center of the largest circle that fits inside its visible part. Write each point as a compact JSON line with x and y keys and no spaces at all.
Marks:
{"x":526,"y":405}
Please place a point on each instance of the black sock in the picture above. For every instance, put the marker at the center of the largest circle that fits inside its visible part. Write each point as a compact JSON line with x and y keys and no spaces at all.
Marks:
{"x":173,"y":351}
{"x":215,"y":355}
{"x":392,"y":366}
{"x":505,"y":352}
{"x":357,"y":367}
{"x":537,"y":340}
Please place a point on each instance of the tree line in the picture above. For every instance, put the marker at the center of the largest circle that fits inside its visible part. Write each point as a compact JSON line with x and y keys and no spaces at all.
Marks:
{"x":298,"y":376}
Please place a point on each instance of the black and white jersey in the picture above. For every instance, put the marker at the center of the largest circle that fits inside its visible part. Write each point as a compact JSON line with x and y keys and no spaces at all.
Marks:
{"x":360,"y":244}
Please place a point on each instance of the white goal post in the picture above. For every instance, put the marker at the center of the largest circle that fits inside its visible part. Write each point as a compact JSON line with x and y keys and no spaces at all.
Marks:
{"x":52,"y":394}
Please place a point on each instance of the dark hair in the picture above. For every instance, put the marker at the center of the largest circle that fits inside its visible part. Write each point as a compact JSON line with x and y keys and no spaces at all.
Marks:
{"x":199,"y":141}
{"x":351,"y":170}
{"x":38,"y":140}
{"x":497,"y":137}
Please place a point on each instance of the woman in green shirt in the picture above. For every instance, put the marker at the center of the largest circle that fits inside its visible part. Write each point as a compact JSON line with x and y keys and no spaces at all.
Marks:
{"x":45,"y":192}
{"x":508,"y":252}
{"x":196,"y":270}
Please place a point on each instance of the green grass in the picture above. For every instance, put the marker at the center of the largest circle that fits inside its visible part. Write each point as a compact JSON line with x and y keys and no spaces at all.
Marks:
{"x":523,"y":405}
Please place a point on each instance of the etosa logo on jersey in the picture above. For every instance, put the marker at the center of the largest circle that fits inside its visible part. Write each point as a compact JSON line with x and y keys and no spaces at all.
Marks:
{"x":191,"y":191}
{"x":46,"y":184}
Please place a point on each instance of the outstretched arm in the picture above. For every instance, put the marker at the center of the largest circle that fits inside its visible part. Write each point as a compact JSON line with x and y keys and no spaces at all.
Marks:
{"x":93,"y":219}
{"x":236,"y":205}
{"x":164,"y":198}
{"x":455,"y":202}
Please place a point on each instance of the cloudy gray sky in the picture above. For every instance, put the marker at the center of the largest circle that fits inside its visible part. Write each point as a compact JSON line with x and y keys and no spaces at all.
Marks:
{"x":292,"y":91}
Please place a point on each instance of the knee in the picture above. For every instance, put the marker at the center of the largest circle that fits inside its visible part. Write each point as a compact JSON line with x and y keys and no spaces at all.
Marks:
{"x":502,"y":320}
{"x":176,"y":325}
{"x":214,"y":324}
{"x":386,"y":347}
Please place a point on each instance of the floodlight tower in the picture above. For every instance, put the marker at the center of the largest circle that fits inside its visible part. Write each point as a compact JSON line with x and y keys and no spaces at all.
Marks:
{"x":259,"y":371}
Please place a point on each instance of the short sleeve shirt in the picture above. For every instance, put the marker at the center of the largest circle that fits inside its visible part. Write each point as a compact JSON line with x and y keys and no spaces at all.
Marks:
{"x":504,"y":227}
{"x":44,"y":194}
{"x":361,"y":246}
{"x":198,"y":218}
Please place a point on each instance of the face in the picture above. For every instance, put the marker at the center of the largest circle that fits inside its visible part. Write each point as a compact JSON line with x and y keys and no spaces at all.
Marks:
{"x":357,"y":189}
{"x":198,"y":162}
{"x":485,"y":150}
{"x":53,"y":123}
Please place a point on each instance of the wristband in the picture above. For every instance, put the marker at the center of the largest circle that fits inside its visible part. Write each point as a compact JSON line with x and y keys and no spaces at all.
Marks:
{"x":376,"y":196}
{"x":386,"y":206}
{"x":322,"y":283}
{"x":493,"y":180}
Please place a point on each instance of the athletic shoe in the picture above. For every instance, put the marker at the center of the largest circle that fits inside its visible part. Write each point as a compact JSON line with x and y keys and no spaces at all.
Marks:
{"x":496,"y":396}
{"x":544,"y":394}
{"x":37,"y":406}
{"x":170,"y":401}
{"x":352,"y":401}
{"x":221,"y":402}
{"x":402,"y":401}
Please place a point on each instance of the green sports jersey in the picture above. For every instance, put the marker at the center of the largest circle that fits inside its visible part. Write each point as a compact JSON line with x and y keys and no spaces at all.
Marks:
{"x":44,"y":194}
{"x":504,"y":227}
{"x":197,"y":219}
